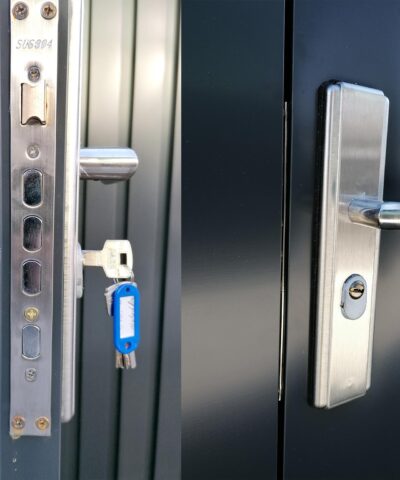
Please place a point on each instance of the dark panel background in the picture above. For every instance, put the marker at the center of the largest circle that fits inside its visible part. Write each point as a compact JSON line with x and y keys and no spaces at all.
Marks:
{"x":232,"y":161}
{"x":354,"y":41}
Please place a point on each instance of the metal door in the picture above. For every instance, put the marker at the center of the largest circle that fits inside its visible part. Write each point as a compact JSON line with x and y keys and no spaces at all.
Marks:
{"x":354,"y":42}
{"x":231,"y":223}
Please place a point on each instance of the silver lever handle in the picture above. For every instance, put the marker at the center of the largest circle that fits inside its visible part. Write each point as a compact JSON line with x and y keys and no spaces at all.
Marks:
{"x":107,"y":164}
{"x":374,"y":213}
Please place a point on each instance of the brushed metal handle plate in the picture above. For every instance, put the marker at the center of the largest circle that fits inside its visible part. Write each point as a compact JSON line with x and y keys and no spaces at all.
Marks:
{"x":354,"y":147}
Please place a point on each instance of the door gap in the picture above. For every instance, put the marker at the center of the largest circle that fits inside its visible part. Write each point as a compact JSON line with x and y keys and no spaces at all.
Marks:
{"x":285,"y":208}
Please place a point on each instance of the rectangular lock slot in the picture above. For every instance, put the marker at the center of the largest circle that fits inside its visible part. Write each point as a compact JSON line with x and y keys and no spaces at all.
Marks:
{"x":31,"y":277}
{"x":32,"y":233}
{"x":31,"y":342}
{"x":33,"y":103}
{"x":32,"y":180}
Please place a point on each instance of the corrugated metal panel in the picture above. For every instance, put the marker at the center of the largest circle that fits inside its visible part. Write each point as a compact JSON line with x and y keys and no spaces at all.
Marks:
{"x":168,"y":443}
{"x":108,"y":124}
{"x":152,"y":134}
{"x":130,"y":79}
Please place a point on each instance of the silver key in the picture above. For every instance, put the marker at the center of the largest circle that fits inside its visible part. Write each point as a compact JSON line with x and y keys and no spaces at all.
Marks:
{"x":125,"y":360}
{"x":116,"y":258}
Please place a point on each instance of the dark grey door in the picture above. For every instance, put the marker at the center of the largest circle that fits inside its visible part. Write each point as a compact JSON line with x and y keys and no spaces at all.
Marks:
{"x":231,"y":225}
{"x":354,"y":41}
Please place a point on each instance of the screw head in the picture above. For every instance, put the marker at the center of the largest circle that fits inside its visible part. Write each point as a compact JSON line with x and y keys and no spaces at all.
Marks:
{"x":356,"y":289}
{"x":20,"y":10}
{"x":31,"y":314}
{"x":30,"y":374}
{"x":18,"y":422}
{"x":42,"y":423}
{"x":33,"y":151}
{"x":49,"y":10}
{"x":34,"y":73}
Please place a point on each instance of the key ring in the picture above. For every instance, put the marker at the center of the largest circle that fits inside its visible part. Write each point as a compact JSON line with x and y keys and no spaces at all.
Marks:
{"x":120,"y":280}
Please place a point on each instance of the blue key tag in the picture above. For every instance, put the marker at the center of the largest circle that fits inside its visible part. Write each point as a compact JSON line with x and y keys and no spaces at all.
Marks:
{"x":126,"y":315}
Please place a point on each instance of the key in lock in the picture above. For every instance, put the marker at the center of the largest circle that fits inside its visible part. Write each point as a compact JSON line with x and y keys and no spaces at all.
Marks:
{"x":115,"y":258}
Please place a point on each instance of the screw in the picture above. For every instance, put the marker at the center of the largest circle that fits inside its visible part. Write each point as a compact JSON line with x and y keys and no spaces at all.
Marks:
{"x":30,"y":374}
{"x":356,"y":289}
{"x":20,"y":10}
{"x":31,"y":314}
{"x":18,"y":422}
{"x":33,"y":151}
{"x":49,"y":10}
{"x":34,"y":73}
{"x":42,"y":423}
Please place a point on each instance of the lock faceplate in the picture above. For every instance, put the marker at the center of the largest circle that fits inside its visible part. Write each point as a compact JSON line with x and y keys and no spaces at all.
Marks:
{"x":34,"y":45}
{"x":354,"y":149}
{"x":33,"y":113}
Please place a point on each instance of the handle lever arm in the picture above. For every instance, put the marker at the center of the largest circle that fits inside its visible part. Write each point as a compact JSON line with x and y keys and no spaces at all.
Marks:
{"x":374,"y":213}
{"x":107,"y":164}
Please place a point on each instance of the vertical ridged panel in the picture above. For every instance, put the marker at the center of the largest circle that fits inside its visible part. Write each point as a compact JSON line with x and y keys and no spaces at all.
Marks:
{"x":152,"y":137}
{"x":168,"y":442}
{"x":91,"y":446}
{"x":108,"y":124}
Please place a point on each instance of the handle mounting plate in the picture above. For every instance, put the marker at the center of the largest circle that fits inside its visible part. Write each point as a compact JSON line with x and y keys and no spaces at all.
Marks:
{"x":354,"y":148}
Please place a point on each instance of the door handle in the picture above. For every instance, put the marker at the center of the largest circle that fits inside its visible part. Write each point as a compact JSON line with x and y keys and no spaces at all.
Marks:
{"x":107,"y":164}
{"x":373,"y":213}
{"x":350,"y":216}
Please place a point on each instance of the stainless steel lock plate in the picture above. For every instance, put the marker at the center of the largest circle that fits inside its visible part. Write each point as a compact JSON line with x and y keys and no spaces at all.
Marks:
{"x":33,"y":93}
{"x":33,"y":113}
{"x":354,"y":148}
